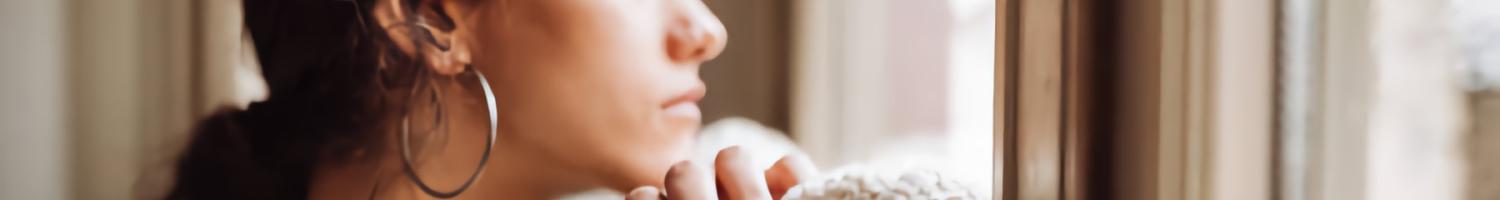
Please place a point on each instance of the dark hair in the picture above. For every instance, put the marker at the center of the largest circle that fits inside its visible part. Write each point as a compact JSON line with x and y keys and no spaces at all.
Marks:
{"x":329,"y":74}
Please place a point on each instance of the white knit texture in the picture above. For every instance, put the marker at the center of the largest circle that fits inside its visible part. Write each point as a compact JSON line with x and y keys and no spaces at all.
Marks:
{"x":861,"y":183}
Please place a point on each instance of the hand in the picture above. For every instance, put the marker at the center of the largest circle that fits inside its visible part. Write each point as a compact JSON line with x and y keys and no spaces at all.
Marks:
{"x":736,"y":179}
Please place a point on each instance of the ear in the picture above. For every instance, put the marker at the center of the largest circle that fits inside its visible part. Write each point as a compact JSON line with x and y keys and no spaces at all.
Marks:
{"x":428,"y":30}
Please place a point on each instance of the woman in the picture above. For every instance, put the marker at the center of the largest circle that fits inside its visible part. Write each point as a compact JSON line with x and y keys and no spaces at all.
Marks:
{"x":474,"y":99}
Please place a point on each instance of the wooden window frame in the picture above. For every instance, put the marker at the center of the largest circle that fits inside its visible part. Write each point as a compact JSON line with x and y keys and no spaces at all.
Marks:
{"x":1164,"y":99}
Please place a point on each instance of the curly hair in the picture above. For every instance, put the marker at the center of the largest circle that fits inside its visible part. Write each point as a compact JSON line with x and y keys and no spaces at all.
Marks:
{"x":331,"y":77}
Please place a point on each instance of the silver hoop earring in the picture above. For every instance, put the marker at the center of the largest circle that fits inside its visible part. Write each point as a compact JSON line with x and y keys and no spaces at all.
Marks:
{"x":406,"y":158}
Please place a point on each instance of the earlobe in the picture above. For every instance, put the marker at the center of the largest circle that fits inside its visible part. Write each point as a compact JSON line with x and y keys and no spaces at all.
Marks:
{"x":452,"y":61}
{"x":427,"y":31}
{"x":450,"y":29}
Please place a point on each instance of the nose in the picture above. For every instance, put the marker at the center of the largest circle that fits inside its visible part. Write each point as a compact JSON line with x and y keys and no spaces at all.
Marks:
{"x":694,"y":34}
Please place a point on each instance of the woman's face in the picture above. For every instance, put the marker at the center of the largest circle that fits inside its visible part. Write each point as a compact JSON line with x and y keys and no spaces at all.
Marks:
{"x":607,"y":88}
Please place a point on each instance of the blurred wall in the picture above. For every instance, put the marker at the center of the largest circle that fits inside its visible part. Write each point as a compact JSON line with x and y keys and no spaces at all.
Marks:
{"x":749,"y":79}
{"x":33,"y":151}
{"x":99,"y":94}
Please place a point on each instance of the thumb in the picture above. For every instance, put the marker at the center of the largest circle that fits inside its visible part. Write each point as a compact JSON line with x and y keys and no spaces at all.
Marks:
{"x":791,"y":170}
{"x":644,"y":193}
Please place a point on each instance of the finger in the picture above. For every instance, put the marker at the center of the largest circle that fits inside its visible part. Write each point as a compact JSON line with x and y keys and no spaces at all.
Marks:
{"x":687,"y":181}
{"x":644,"y":193}
{"x":791,"y":170}
{"x":739,"y":177}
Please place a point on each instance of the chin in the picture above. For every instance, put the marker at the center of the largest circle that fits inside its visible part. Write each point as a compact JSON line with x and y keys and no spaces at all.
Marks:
{"x":648,"y":167}
{"x":642,"y":172}
{"x":645,"y":159}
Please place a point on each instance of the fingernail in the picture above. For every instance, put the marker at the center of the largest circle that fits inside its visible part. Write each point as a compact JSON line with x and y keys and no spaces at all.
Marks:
{"x":645,"y":192}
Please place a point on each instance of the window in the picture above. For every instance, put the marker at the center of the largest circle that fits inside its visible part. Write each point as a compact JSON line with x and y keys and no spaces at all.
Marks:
{"x":897,"y":83}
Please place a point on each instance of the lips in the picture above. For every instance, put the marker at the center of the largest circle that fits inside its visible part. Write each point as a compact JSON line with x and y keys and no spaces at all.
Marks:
{"x":685,"y":110}
{"x":685,"y":104}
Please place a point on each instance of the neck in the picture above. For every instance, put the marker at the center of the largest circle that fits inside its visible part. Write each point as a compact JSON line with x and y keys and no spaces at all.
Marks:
{"x":513,"y":171}
{"x":509,"y":175}
{"x":512,"y":175}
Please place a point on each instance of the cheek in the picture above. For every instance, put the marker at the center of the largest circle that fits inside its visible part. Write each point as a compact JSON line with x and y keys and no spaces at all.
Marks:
{"x":585,"y":89}
{"x":596,"y":110}
{"x":604,"y":125}
{"x":634,"y":137}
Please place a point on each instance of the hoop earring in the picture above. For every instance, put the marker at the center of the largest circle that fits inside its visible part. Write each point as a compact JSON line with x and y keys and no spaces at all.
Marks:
{"x":406,"y":158}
